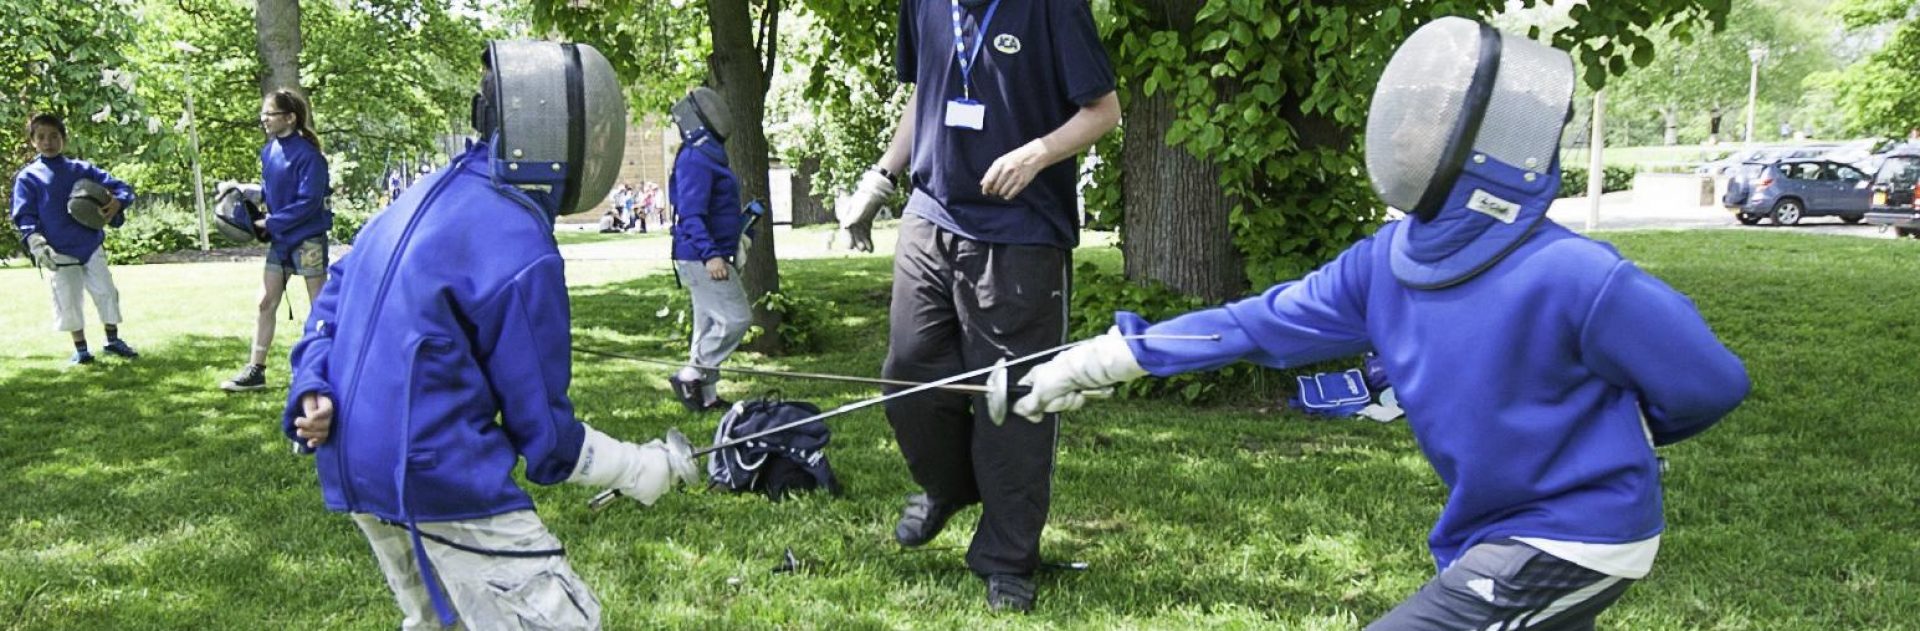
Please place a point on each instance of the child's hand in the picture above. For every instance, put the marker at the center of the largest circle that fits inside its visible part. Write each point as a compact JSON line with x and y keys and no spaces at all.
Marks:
{"x":318,"y":420}
{"x":113,"y":208}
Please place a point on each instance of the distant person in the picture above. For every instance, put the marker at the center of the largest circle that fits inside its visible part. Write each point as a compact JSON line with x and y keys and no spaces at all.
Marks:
{"x":705,"y":239}
{"x":294,"y":181}
{"x":57,"y":239}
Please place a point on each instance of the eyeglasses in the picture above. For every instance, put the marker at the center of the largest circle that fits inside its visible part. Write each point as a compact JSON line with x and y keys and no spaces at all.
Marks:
{"x":270,"y":114}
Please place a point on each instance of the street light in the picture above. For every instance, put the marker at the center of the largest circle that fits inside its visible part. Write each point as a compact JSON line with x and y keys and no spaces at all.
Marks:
{"x":193,"y":137}
{"x":1755,"y":55}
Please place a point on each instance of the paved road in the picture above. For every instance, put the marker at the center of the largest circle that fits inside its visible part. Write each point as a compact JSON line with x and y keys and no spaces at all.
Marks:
{"x":1621,"y":211}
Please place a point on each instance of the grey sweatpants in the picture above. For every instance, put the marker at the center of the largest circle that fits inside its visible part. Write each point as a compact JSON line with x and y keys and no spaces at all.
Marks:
{"x":960,"y":304}
{"x":1507,"y":585}
{"x":721,"y":315}
{"x":487,"y":591}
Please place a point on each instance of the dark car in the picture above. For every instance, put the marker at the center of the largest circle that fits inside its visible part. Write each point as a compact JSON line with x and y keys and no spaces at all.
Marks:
{"x":1790,"y":190}
{"x":1894,"y":188}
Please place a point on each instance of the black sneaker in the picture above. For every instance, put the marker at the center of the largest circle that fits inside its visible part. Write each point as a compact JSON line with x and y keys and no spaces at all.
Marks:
{"x":80,"y":357}
{"x":1010,"y":592}
{"x":718,"y":405}
{"x":252,"y":377}
{"x":921,"y":520}
{"x":689,"y":393}
{"x":120,"y":347}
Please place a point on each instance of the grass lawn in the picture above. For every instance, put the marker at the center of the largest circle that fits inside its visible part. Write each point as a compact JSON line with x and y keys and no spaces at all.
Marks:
{"x":138,"y":496}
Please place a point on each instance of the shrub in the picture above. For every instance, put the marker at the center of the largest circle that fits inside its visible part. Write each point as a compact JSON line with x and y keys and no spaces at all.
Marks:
{"x":1573,"y":180}
{"x":152,"y":228}
{"x":803,"y":319}
{"x":349,"y":216}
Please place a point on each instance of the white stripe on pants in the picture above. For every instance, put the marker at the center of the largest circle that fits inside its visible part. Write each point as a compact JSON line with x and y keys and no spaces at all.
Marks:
{"x":70,"y":277}
{"x":720,"y":316}
{"x":487,"y":592}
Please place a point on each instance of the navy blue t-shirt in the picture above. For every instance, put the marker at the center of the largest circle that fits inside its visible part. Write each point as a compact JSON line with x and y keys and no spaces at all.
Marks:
{"x":1039,"y":63}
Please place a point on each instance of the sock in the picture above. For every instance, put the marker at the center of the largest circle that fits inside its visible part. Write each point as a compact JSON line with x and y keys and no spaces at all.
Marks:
{"x":80,"y":346}
{"x":113,"y":333}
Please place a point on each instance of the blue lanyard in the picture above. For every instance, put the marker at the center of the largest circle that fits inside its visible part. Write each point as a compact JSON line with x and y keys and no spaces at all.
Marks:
{"x":964,"y":54}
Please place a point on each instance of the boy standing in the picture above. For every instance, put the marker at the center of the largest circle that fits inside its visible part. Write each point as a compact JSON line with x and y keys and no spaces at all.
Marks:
{"x":59,"y":241}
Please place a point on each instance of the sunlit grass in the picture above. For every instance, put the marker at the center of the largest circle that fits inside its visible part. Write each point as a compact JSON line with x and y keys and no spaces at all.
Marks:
{"x":140,"y":497}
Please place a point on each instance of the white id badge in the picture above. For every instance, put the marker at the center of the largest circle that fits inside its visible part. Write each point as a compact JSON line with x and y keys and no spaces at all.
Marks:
{"x":966,"y":114}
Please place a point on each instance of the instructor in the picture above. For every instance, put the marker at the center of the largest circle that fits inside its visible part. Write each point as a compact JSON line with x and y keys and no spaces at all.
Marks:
{"x":1008,"y":93}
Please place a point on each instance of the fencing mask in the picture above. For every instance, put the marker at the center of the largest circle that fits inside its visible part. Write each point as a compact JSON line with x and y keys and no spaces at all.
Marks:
{"x":88,"y":203}
{"x":702,"y":109}
{"x":1463,"y":134}
{"x":556,"y":117}
{"x":235,"y":209}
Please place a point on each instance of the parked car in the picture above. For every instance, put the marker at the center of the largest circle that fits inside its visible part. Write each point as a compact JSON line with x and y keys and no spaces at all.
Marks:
{"x":1721,"y":167}
{"x":1895,"y":186}
{"x":1790,"y":190}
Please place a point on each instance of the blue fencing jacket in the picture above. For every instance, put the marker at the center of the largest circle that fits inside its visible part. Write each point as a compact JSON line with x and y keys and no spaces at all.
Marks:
{"x":293,"y":178}
{"x":1538,"y":368}
{"x":443,"y":340}
{"x":706,"y":199}
{"x":40,"y":195}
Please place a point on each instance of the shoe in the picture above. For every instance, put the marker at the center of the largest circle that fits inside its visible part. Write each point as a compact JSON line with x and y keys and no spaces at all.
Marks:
{"x":720,"y":405}
{"x":921,"y":520}
{"x":120,"y":347}
{"x":688,"y":391}
{"x":80,"y":357}
{"x":252,"y":377}
{"x":1010,"y":592}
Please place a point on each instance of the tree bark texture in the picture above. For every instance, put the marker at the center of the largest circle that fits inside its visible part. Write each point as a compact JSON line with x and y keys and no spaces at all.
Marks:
{"x":736,"y":73}
{"x":277,"y":25}
{"x":808,"y":209}
{"x":1176,"y":228}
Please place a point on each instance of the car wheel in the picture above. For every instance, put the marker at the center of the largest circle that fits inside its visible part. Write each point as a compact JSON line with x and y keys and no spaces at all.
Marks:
{"x":1906,"y":233}
{"x":1852,"y":219}
{"x":1787,"y":212}
{"x":1748,"y":219}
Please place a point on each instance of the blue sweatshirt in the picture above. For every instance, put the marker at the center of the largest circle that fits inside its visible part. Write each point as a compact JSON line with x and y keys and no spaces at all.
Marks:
{"x":1531,"y":387}
{"x":293,"y":176}
{"x":706,"y":199}
{"x":40,"y":195}
{"x":443,"y":341}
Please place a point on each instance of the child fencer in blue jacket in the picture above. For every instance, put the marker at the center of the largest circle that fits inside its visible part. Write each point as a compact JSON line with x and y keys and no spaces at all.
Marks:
{"x":437,"y":359}
{"x":1538,"y":368}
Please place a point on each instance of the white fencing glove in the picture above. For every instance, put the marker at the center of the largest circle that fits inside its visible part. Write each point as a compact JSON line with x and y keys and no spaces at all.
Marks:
{"x":1058,"y":385}
{"x":642,"y":472}
{"x":856,"y":211}
{"x":41,"y":251}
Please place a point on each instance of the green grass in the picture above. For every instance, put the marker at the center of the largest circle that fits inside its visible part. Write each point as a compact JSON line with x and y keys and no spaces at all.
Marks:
{"x":139,"y":497}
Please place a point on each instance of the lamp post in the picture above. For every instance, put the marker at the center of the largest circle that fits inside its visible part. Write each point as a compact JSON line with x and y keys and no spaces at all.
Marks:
{"x":193,"y":138}
{"x":1755,"y":55}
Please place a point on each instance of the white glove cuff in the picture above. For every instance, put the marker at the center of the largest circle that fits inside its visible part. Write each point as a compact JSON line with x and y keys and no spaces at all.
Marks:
{"x":602,"y":460}
{"x":1109,"y":361}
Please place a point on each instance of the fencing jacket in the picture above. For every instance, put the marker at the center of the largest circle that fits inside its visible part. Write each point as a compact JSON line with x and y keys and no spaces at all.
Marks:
{"x":293,"y":177}
{"x":443,"y":340}
{"x":40,"y":194}
{"x":1536,"y":388}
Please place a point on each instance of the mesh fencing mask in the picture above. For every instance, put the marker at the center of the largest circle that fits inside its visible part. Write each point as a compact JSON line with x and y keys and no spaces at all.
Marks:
{"x":235,"y":209}
{"x":703,"y":109}
{"x":556,"y":117}
{"x":87,"y":204}
{"x":1458,"y":90}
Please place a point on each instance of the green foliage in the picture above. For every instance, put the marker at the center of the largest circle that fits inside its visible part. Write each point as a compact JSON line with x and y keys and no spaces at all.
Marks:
{"x":1573,"y":180}
{"x":69,"y":59}
{"x":1099,"y":293}
{"x":152,"y":228}
{"x":350,"y":214}
{"x":658,"y":49}
{"x":802,"y":319}
{"x":1275,"y":95}
{"x":1880,"y":94}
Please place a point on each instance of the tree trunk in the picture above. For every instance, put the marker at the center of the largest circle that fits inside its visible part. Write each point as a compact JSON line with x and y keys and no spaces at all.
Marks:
{"x":277,"y":25}
{"x":736,"y":72}
{"x":807,"y":208}
{"x":1176,"y":226}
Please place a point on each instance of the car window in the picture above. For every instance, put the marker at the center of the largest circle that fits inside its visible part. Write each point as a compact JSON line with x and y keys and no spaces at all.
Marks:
{"x":1800,"y":170}
{"x":1900,"y":171}
{"x":1848,"y":173}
